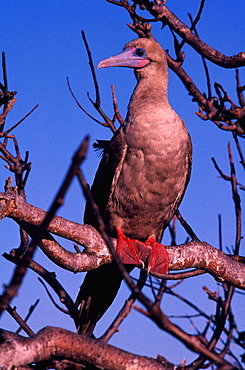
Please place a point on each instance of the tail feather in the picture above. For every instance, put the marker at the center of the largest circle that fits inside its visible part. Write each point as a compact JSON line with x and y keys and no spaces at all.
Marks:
{"x":96,"y":294}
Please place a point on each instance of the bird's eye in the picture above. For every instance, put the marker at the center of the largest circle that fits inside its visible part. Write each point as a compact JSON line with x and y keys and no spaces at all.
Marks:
{"x":139,"y":52}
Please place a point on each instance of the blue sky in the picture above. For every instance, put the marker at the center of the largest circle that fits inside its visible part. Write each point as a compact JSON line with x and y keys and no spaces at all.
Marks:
{"x":43,"y":46}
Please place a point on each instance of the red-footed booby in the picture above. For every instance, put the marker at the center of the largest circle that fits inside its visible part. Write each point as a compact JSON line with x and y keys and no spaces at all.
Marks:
{"x":141,"y":178}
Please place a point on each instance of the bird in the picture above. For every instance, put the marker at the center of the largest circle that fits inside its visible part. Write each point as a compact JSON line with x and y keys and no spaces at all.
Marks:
{"x":140,"y":181}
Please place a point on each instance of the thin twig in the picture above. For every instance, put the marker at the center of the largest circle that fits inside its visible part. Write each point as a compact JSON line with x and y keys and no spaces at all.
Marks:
{"x":172,"y":230}
{"x":97,"y":104}
{"x":240,"y":89}
{"x":4,"y":67}
{"x":115,"y":106}
{"x":20,"y":270}
{"x":196,"y":20}
{"x":51,"y":298}
{"x":186,"y":226}
{"x":223,"y":175}
{"x":220,"y":233}
{"x":193,"y":27}
{"x":239,"y":149}
{"x":19,"y":122}
{"x":53,"y":283}
{"x":16,"y":164}
{"x":19,"y":320}
{"x":125,"y":311}
{"x":81,"y":107}
{"x":180,"y":275}
{"x":8,"y":108}
{"x":31,"y":310}
{"x":186,"y":301}
{"x":237,"y":201}
{"x":91,"y":64}
{"x":24,"y":241}
{"x":5,"y":81}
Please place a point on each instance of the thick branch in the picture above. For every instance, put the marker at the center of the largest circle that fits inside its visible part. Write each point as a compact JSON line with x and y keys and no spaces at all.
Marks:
{"x":162,"y":13}
{"x":193,"y":254}
{"x":51,"y":343}
{"x":14,"y":206}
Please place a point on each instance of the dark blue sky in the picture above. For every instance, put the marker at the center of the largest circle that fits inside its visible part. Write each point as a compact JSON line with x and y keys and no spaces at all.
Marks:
{"x":43,"y":46}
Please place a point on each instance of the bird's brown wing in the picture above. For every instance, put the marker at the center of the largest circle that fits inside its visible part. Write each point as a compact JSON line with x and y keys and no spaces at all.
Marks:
{"x":110,"y":166}
{"x":189,"y":161}
{"x":188,"y":166}
{"x":101,"y":285}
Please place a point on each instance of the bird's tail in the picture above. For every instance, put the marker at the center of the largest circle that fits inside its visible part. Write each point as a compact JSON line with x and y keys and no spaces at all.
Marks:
{"x":96,"y":294}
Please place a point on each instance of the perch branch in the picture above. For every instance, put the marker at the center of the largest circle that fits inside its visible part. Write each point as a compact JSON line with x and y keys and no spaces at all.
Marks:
{"x":194,"y":254}
{"x":74,"y":347}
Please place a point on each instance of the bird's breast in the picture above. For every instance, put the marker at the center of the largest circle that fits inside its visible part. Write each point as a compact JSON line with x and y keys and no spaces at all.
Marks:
{"x":152,"y":178}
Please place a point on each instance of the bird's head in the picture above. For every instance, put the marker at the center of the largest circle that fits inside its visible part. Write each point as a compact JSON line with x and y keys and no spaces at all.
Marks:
{"x":137,"y":54}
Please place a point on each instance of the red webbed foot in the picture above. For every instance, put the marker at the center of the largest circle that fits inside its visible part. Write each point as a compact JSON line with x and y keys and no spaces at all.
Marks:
{"x":158,"y":260}
{"x":131,"y":251}
{"x":134,"y":252}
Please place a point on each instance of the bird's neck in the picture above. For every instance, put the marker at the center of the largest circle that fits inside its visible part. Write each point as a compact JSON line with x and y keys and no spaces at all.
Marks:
{"x":151,"y":89}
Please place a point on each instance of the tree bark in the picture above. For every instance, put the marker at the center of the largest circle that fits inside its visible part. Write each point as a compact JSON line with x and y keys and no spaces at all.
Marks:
{"x":50,"y":343}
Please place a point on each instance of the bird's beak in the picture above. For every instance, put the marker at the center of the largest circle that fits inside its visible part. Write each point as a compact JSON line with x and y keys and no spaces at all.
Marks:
{"x":127,"y":58}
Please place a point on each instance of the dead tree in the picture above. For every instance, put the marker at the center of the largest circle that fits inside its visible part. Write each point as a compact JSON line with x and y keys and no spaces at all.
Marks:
{"x":213,"y":344}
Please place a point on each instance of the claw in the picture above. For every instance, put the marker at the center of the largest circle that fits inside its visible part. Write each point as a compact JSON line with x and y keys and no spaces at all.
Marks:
{"x":134,"y":252}
{"x":131,"y":251}
{"x":158,"y":260}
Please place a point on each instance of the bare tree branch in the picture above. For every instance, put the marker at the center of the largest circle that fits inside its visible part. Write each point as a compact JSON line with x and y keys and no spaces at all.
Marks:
{"x":161,"y":13}
{"x":6,"y":132}
{"x":31,"y":310}
{"x":74,"y":347}
{"x":192,"y":258}
{"x":214,"y":109}
{"x":20,"y":270}
{"x":19,"y":320}
{"x":192,"y":254}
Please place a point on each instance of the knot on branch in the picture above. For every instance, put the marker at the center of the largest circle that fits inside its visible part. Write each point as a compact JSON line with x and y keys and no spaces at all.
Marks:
{"x":7,"y":200}
{"x":142,"y":29}
{"x":5,"y":95}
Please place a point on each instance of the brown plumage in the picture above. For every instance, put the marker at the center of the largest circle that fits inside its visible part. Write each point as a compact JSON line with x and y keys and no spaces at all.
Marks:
{"x":142,"y":176}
